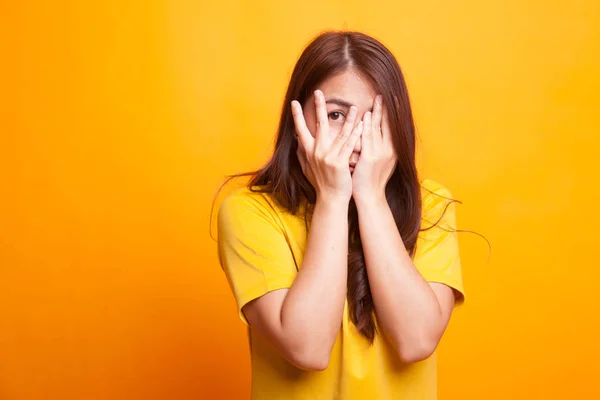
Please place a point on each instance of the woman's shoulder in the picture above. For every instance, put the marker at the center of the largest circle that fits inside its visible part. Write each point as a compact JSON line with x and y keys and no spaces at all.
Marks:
{"x":434,"y":197}
{"x":249,"y":199}
{"x":432,"y":187}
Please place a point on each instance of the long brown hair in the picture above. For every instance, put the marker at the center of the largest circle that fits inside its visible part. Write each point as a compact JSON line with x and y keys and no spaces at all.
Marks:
{"x":330,"y":53}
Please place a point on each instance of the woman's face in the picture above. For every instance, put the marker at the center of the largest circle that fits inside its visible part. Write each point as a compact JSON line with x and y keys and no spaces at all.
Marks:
{"x":341,"y":91}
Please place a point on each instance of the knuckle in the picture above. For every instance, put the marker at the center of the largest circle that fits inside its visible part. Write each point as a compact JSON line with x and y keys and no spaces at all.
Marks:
{"x":330,"y":162}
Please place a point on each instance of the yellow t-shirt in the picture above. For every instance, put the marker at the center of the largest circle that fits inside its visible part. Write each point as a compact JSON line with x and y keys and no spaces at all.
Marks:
{"x":261,"y":247}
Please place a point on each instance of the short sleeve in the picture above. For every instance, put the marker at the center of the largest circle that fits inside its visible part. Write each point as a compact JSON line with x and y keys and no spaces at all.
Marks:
{"x":437,"y":256}
{"x":253,"y":250}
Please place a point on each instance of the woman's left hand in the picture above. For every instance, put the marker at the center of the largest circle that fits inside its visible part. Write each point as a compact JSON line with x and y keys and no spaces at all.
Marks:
{"x":377,"y":159}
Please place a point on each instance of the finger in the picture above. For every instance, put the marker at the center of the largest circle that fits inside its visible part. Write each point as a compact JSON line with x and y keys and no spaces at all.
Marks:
{"x":355,"y":136}
{"x":368,"y":131}
{"x":368,"y":119}
{"x":368,"y":139}
{"x":386,"y":134}
{"x":377,"y":113}
{"x":304,"y":136}
{"x":321,"y":111}
{"x":346,"y":131}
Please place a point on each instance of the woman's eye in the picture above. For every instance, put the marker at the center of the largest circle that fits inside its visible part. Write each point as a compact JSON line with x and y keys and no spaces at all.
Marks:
{"x":336,"y":116}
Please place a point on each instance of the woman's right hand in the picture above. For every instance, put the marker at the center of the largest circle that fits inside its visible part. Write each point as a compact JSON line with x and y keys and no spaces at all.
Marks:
{"x":325,"y":159}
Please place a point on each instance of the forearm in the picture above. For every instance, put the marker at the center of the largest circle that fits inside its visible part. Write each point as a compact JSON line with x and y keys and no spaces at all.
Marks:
{"x":312,"y":311}
{"x":407,"y":308}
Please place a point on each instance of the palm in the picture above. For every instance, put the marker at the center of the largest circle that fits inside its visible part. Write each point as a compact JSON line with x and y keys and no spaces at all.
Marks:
{"x":377,"y":159}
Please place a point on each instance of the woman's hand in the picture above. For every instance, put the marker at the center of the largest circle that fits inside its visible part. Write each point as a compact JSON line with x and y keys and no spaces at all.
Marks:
{"x":325,"y":159}
{"x":377,"y":159}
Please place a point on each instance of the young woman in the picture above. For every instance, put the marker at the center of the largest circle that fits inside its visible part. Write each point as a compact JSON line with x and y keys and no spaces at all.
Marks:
{"x":344,"y":266}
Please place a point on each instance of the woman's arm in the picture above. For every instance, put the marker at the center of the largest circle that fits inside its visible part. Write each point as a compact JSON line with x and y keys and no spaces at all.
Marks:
{"x":304,"y":320}
{"x":412,"y":312}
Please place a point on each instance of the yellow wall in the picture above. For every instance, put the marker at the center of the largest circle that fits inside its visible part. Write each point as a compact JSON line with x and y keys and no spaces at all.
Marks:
{"x":119,"y":120}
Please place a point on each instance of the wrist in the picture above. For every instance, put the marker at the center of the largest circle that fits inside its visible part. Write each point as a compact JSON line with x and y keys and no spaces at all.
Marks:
{"x":370,"y":200}
{"x":333,"y":200}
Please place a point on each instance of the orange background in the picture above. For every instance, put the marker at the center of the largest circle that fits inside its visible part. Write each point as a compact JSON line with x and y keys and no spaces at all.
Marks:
{"x":119,"y":120}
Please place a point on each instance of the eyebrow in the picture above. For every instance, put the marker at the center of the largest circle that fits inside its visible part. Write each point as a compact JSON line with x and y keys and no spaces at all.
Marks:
{"x":341,"y":103}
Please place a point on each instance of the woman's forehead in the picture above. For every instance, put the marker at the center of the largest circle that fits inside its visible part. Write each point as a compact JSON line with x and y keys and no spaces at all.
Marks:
{"x":348,"y":88}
